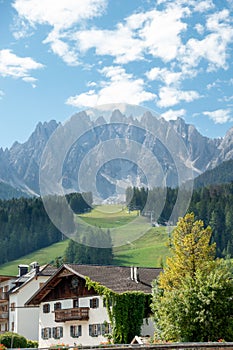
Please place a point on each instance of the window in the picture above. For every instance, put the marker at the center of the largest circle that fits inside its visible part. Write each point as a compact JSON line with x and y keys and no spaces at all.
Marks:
{"x":12,"y":306}
{"x":57,"y":306}
{"x":106,"y":328}
{"x":94,"y":303}
{"x":12,"y":326}
{"x":6,"y":327}
{"x":105,"y":303}
{"x":94,"y":330}
{"x":46,"y":308}
{"x":57,"y":332}
{"x":46,"y":333}
{"x":75,"y":303}
{"x":76,"y":331}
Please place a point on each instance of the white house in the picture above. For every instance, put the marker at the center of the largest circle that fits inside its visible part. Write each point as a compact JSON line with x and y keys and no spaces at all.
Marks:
{"x":25,"y":320}
{"x":6,"y":284}
{"x":70,"y":313}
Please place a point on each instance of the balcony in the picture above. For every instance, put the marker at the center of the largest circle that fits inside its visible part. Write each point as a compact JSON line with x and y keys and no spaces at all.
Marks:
{"x":4,"y":297}
{"x":3,"y":315}
{"x":79,"y":313}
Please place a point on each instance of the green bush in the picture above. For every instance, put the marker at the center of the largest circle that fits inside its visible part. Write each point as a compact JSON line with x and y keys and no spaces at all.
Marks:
{"x":32,"y":344}
{"x":13,"y":340}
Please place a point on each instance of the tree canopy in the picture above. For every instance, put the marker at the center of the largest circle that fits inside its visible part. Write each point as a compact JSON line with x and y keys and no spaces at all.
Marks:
{"x":192,"y":298}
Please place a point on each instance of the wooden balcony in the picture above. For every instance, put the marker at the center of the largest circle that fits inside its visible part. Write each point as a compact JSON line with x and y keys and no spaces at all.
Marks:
{"x":79,"y":313}
{"x":4,"y":297}
{"x":3,"y":315}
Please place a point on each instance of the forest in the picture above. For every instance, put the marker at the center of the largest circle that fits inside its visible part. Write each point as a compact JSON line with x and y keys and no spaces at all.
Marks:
{"x":26,"y":227}
{"x":212,"y":204}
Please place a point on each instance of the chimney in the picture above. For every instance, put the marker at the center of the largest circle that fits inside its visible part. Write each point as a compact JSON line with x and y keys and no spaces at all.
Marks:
{"x":35,"y":266}
{"x":136,"y":275}
{"x":23,"y":270}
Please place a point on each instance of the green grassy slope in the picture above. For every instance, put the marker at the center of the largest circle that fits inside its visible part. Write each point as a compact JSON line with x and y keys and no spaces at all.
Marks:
{"x":146,"y":250}
{"x":42,"y":256}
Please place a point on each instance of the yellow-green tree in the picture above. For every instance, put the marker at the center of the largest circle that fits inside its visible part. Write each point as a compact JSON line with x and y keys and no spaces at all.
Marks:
{"x":192,"y":298}
{"x":190,"y":250}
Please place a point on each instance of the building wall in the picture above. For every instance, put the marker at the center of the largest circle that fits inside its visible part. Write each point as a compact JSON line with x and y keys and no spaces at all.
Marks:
{"x":97,"y":316}
{"x":5,"y":286}
{"x":22,"y":320}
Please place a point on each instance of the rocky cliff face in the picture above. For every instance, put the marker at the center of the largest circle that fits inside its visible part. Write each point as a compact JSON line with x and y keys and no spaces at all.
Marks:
{"x":19,"y":166}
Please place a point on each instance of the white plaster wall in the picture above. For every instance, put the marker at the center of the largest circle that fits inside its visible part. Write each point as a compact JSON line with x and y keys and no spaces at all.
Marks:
{"x":26,"y":319}
{"x":147,"y":327}
{"x":96,"y":316}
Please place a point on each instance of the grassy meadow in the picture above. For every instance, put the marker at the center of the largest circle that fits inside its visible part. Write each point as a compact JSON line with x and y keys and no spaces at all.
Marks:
{"x":135,"y":242}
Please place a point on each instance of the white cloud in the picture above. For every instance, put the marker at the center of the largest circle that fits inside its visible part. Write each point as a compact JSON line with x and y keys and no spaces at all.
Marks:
{"x":170,"y":96}
{"x":17,"y":67}
{"x":61,"y":48}
{"x":1,"y":94}
{"x":161,"y":32}
{"x":199,"y":28}
{"x":173,"y":114}
{"x":213,"y":47}
{"x":219,"y":116}
{"x":60,"y":14}
{"x":164,"y":75}
{"x":118,"y":43}
{"x":120,"y":88}
{"x":203,"y":6}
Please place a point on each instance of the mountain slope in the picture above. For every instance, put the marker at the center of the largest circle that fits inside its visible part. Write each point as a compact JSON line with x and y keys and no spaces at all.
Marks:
{"x":19,"y":165}
{"x":223,"y":173}
{"x":8,"y":192}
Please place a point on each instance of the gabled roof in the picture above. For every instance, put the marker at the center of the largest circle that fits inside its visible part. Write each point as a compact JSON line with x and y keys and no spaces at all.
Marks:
{"x":20,"y":282}
{"x":117,"y":278}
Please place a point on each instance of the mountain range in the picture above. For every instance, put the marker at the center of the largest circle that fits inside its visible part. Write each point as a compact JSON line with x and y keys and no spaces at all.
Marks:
{"x":19,"y":165}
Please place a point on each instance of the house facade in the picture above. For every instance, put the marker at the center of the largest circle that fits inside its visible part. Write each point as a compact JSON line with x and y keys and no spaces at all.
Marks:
{"x":25,"y":320}
{"x":70,"y":313}
{"x":6,"y":284}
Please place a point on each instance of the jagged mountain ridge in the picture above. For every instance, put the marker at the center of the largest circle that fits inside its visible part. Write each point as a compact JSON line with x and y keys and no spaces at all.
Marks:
{"x":19,"y":165}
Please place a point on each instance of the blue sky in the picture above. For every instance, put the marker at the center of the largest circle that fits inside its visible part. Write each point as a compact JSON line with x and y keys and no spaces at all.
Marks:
{"x":58,"y":57}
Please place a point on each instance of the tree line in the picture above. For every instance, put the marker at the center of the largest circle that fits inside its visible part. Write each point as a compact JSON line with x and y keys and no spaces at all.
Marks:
{"x":26,"y":227}
{"x":212,"y":204}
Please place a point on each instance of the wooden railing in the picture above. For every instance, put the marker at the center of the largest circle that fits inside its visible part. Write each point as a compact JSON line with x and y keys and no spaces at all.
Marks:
{"x":3,"y":315}
{"x":79,"y":313}
{"x":4,"y":296}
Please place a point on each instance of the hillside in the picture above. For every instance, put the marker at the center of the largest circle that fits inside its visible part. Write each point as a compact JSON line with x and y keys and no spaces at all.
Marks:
{"x":149,"y":250}
{"x":222,"y":173}
{"x":8,"y":192}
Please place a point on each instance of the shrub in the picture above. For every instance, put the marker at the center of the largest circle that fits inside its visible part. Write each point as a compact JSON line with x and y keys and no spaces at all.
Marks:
{"x":13,"y":340}
{"x":32,"y":344}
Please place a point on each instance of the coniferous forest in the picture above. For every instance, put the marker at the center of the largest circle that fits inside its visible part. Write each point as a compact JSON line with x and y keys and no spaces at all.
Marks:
{"x":26,"y":227}
{"x":212,"y":204}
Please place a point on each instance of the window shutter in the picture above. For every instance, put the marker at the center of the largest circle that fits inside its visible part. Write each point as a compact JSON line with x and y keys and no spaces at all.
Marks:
{"x":61,"y":332}
{"x":103,"y":329}
{"x":91,"y":303}
{"x":90,"y":330}
{"x":49,"y":332}
{"x":54,"y":333}
{"x":72,"y":331}
{"x":42,"y":333}
{"x":79,"y":330}
{"x":97,"y":302}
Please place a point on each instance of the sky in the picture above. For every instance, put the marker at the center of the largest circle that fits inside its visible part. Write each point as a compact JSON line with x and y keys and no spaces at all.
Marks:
{"x":58,"y":57}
